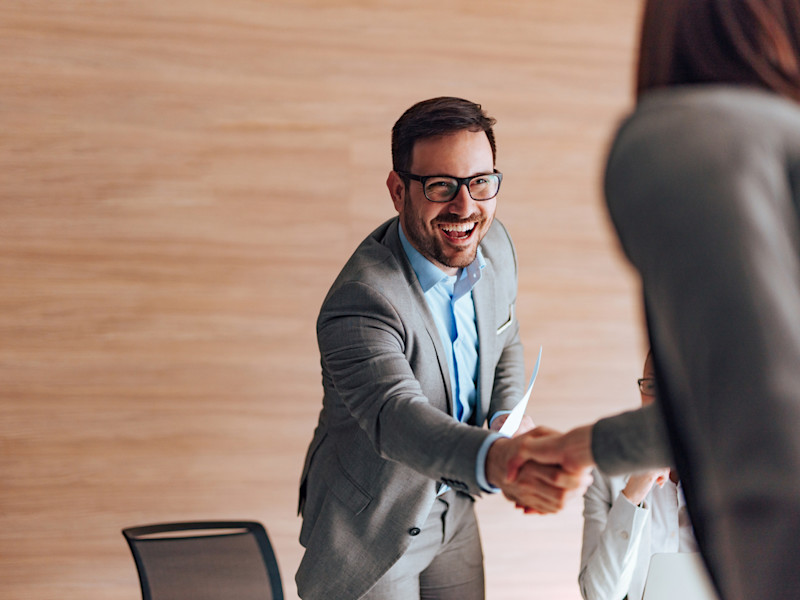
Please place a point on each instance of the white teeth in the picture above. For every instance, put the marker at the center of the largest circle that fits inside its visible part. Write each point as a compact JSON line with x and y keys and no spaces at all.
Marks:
{"x":459,"y":227}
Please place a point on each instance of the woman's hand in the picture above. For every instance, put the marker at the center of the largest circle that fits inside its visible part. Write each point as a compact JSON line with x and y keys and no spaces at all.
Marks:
{"x":639,"y":485}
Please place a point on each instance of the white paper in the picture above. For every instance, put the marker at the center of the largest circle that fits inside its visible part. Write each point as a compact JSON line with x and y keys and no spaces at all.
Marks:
{"x":511,"y":425}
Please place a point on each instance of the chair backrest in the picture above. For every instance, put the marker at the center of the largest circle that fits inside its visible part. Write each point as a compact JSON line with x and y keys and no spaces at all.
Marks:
{"x":205,"y":560}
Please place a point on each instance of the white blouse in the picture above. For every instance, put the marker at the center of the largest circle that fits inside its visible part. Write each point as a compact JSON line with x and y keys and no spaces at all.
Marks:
{"x":619,"y":537}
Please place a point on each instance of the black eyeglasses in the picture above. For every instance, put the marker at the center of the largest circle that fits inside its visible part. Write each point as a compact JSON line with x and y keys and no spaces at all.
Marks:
{"x":647,"y":385}
{"x":443,"y":188}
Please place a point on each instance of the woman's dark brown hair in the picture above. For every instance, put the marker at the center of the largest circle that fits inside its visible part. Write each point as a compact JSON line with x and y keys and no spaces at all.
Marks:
{"x":747,"y":42}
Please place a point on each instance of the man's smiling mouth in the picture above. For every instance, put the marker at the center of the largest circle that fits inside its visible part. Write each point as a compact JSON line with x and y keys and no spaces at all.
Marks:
{"x":457,"y":231}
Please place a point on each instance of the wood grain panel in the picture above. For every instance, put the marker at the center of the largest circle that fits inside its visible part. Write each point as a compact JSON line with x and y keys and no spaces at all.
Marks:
{"x":181,"y":181}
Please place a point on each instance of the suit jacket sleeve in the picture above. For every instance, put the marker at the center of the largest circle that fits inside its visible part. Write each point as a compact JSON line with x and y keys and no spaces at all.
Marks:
{"x":631,"y":441}
{"x":362,"y":345}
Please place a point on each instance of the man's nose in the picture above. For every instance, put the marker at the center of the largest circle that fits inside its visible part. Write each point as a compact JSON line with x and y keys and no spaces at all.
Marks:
{"x":462,"y":203}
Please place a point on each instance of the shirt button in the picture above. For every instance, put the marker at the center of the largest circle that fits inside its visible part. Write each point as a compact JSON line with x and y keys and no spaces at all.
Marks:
{"x":624,"y":535}
{"x":414,"y":531}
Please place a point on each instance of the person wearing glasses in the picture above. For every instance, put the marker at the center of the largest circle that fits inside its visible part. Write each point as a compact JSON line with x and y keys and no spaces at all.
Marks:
{"x":420,"y":348}
{"x":629,"y":518}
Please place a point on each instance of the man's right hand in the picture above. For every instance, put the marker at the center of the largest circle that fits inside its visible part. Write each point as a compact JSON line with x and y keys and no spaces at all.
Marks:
{"x":537,"y":487}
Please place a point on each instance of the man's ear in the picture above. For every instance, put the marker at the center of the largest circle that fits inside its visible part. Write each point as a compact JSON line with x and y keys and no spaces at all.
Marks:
{"x":397,"y":190}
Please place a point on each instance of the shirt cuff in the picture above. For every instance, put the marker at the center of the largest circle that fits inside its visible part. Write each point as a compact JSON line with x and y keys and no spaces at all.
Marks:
{"x":499,"y":413}
{"x":628,"y":518}
{"x":480,"y":467}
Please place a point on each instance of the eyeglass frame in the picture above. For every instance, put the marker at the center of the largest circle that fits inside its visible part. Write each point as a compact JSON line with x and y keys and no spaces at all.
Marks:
{"x":460,"y":180}
{"x":640,"y":382}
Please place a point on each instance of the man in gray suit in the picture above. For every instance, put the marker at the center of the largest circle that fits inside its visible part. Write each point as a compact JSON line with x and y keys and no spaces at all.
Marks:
{"x":420,"y":347}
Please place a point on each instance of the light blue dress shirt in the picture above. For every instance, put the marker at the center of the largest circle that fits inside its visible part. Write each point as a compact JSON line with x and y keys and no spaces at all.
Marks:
{"x":449,"y":298}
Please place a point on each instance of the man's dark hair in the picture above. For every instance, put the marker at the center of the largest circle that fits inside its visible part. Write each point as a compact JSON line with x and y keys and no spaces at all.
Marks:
{"x":434,"y":117}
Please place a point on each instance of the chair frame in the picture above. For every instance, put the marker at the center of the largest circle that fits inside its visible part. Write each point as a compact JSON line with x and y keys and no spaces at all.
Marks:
{"x":132,"y":534}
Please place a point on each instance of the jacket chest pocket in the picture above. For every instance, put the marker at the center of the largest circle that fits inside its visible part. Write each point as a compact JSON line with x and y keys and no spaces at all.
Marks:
{"x":509,"y":320}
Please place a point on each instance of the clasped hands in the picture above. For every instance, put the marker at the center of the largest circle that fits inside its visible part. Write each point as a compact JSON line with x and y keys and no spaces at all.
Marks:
{"x":541,"y":469}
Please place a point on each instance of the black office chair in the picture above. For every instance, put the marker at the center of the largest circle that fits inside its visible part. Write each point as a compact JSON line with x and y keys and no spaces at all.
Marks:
{"x":205,"y":560}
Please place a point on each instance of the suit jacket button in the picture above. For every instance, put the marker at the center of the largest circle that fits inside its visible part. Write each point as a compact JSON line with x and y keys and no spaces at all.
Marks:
{"x":414,"y":531}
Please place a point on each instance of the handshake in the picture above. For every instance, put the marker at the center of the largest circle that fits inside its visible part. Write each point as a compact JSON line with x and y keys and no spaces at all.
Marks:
{"x":540,"y":469}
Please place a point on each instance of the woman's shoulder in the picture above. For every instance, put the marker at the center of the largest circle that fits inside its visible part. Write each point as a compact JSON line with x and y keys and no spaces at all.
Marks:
{"x":704,"y":117}
{"x":689,"y":133}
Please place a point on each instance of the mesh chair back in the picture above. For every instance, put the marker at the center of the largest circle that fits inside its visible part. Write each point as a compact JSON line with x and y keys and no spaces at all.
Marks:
{"x":205,"y":561}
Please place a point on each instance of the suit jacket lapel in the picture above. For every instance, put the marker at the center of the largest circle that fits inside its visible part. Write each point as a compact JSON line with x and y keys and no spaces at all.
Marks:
{"x":392,"y":241}
{"x":485,"y":305}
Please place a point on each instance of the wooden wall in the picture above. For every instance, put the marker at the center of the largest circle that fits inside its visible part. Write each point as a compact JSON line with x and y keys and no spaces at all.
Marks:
{"x":180,"y":183}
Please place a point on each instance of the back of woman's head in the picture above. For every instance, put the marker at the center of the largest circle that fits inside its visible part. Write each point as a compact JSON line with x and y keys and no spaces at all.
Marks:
{"x":747,"y":42}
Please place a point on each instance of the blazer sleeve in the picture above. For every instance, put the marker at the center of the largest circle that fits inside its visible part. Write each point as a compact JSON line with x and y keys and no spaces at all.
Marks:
{"x":366,"y":356}
{"x":612,"y":538}
{"x":631,"y":441}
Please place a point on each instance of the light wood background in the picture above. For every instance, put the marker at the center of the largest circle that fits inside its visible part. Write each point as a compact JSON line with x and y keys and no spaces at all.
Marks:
{"x":180,"y":182}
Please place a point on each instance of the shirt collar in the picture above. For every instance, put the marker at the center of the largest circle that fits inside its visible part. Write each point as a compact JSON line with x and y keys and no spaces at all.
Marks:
{"x":429,"y":274}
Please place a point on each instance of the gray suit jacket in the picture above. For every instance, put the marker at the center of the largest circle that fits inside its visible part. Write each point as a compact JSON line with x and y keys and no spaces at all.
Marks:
{"x":703,"y":186}
{"x":386,"y":436}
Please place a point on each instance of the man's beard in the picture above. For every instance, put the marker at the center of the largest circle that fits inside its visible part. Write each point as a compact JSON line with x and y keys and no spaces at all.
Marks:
{"x":433,"y":247}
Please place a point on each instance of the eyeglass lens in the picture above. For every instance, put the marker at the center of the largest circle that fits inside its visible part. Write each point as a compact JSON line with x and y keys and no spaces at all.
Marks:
{"x":647,"y":386}
{"x":444,"y":189}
